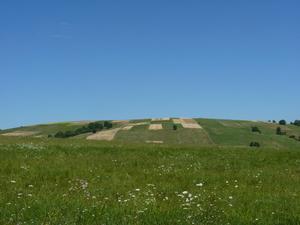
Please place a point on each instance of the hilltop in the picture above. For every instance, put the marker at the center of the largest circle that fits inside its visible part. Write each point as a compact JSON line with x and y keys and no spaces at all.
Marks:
{"x":170,"y":131}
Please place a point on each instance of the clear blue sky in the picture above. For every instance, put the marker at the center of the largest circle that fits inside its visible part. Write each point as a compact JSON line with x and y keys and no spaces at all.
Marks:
{"x":72,"y":60}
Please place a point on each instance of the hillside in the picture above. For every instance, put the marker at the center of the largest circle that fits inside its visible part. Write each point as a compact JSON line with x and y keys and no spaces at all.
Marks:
{"x":173,"y":131}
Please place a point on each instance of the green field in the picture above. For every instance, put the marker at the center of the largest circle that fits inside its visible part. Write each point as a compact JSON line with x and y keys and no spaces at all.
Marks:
{"x":197,"y":176}
{"x":215,"y":132}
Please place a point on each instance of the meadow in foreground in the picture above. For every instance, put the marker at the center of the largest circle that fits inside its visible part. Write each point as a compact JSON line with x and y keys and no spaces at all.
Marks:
{"x":46,"y":181}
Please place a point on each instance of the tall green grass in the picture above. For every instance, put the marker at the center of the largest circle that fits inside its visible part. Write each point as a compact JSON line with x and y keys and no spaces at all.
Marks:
{"x":45,"y":181}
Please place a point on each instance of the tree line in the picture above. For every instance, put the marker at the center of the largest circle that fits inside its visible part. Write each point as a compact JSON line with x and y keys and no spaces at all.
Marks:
{"x":90,"y":128}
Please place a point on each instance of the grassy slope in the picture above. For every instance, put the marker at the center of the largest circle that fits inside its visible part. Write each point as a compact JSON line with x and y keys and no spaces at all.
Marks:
{"x":81,"y":182}
{"x":217,"y":132}
{"x":140,"y":134}
{"x":238,"y":133}
{"x":45,"y":129}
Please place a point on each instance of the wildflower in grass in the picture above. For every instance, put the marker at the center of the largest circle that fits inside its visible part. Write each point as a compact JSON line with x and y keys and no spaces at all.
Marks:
{"x":199,"y":185}
{"x":230,"y":197}
{"x":236,"y":186}
{"x":137,"y":189}
{"x":29,"y":195}
{"x":30,"y":185}
{"x":13,"y":181}
{"x":184,"y":192}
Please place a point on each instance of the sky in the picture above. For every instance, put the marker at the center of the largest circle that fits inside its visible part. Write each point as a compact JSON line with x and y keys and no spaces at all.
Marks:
{"x":76,"y":60}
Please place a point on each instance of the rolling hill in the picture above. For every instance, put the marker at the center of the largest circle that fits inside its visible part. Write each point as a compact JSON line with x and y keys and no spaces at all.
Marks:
{"x":174,"y":131}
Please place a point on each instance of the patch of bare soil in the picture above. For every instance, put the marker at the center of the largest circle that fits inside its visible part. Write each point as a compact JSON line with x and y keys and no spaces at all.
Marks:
{"x":106,"y":135}
{"x":155,"y":127}
{"x":188,"y":123}
{"x":20,"y":133}
{"x":161,"y":119}
{"x":129,"y":127}
{"x":121,"y":121}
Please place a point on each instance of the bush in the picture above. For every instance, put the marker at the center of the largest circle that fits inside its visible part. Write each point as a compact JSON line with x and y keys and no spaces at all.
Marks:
{"x":255,"y":129}
{"x":279,"y":131}
{"x":50,"y":135}
{"x":107,"y":124}
{"x":59,"y":134}
{"x":292,"y":136}
{"x":91,"y":127}
{"x":175,"y":127}
{"x":274,"y":121}
{"x":282,"y":122}
{"x":254,"y":144}
{"x":95,"y":126}
{"x":297,"y":122}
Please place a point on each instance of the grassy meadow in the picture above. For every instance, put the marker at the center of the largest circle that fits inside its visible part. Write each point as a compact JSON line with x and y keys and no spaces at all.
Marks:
{"x":74,"y":181}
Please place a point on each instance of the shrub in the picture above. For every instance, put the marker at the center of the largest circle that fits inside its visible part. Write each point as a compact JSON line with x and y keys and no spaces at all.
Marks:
{"x":254,"y":144}
{"x":107,"y":124}
{"x":175,"y":127}
{"x":282,"y":122}
{"x":297,"y":122}
{"x":279,"y":131}
{"x":50,"y":135}
{"x":91,"y":127}
{"x":292,"y":136}
{"x":255,"y":129}
{"x":274,"y":121}
{"x":59,"y":134}
{"x":95,"y":126}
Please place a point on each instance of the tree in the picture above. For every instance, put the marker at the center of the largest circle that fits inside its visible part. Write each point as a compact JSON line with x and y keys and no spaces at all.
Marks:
{"x":59,"y":134}
{"x":70,"y":133}
{"x":279,"y":131}
{"x":297,"y":122}
{"x":255,"y":129}
{"x":274,"y":121}
{"x":282,"y":122}
{"x":174,"y":127}
{"x":107,"y":124}
{"x":254,"y":144}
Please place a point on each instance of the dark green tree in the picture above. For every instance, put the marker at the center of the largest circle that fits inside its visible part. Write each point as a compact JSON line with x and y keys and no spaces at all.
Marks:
{"x":107,"y":124}
{"x":174,"y":127}
{"x":255,"y":129}
{"x":59,"y":134}
{"x":297,"y":122}
{"x":254,"y":144}
{"x":282,"y":122}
